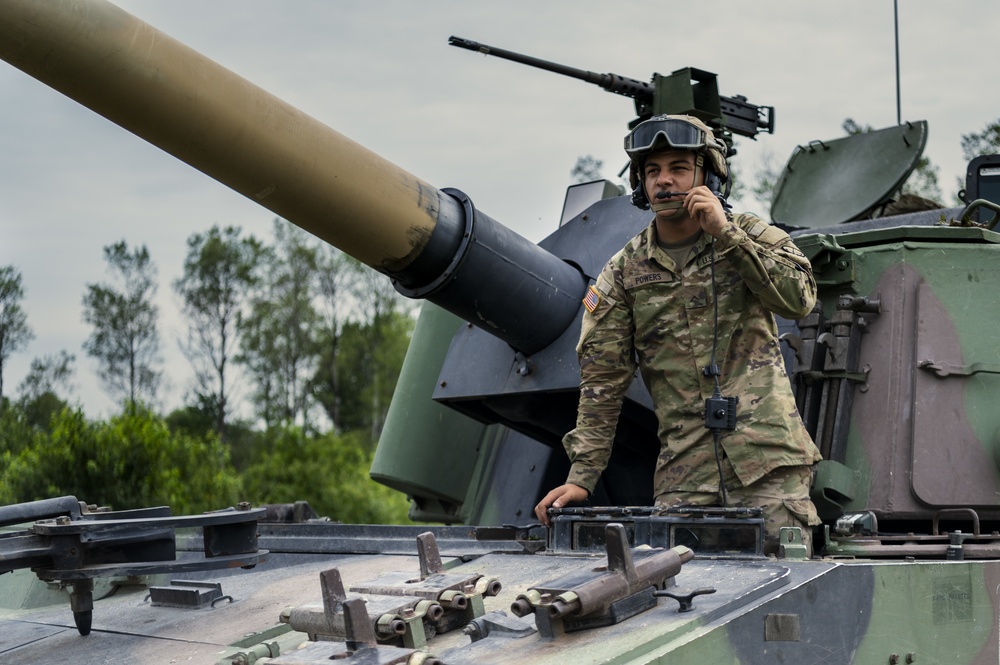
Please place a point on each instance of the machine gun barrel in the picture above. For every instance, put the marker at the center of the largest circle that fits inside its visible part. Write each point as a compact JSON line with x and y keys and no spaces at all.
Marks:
{"x":621,"y":85}
{"x":433,"y":243}
{"x":665,"y":94}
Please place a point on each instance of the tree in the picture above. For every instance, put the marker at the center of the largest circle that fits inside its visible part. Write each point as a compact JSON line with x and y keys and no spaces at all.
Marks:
{"x":586,"y":169}
{"x":279,"y":334}
{"x":220,"y":270}
{"x":765,"y":180}
{"x":46,"y":374}
{"x":38,"y":393}
{"x":15,"y":333}
{"x":986,"y":142}
{"x":355,"y":381}
{"x":370,"y":360}
{"x":336,"y":275}
{"x":125,"y":340}
{"x":390,"y":323}
{"x":16,"y":434}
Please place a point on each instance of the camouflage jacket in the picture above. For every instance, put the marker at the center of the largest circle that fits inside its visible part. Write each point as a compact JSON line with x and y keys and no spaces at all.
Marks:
{"x":645,"y":310}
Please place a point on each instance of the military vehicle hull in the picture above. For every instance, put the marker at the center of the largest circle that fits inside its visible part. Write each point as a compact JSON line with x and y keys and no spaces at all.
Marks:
{"x":762,"y":611}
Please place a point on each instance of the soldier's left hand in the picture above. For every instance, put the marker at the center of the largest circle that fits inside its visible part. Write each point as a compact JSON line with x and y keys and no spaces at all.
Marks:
{"x":706,"y":209}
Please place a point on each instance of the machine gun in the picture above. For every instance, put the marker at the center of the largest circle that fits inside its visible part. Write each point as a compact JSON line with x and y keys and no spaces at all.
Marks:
{"x":685,"y":91}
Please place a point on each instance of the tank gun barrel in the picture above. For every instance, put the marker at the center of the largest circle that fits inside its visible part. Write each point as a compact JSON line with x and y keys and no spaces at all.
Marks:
{"x":433,"y":243}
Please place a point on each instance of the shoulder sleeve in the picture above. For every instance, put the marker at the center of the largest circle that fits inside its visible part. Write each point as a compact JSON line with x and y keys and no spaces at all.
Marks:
{"x":771,"y":265}
{"x":607,"y":365}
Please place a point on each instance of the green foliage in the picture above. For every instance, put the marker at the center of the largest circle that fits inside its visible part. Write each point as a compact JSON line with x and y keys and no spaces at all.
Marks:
{"x":15,"y":332}
{"x":130,"y":461}
{"x":371,"y":355}
{"x":192,"y":420}
{"x":125,"y":340}
{"x":354,"y":365}
{"x":41,"y":409}
{"x":330,"y":472}
{"x":136,"y":460}
{"x":244,"y":444}
{"x":198,"y":421}
{"x":37,"y":394}
{"x":16,"y":433}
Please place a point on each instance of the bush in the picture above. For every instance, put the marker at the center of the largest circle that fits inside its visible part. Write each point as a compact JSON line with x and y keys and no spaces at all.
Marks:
{"x":329,"y":471}
{"x":130,"y":461}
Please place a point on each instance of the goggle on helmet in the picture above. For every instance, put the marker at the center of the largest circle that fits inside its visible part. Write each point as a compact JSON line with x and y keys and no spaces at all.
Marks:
{"x":664,"y":132}
{"x":677,"y":132}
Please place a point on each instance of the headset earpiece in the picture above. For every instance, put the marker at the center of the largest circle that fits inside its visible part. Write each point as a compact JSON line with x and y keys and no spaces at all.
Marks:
{"x":713,"y":182}
{"x":639,"y":198}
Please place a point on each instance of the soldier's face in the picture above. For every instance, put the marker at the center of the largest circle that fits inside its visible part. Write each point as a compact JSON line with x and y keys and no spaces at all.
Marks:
{"x":669,"y":171}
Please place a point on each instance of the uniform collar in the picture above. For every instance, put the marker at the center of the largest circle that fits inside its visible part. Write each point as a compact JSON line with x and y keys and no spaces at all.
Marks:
{"x":653,"y":251}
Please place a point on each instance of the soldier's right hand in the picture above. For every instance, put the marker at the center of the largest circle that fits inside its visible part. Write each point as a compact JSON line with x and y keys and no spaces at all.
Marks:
{"x":559,"y":497}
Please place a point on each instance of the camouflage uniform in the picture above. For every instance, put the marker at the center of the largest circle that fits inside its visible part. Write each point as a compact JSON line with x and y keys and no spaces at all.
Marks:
{"x":645,"y":308}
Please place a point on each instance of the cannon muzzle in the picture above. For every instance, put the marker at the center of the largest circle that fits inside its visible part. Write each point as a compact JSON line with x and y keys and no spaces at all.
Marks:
{"x":434,"y":244}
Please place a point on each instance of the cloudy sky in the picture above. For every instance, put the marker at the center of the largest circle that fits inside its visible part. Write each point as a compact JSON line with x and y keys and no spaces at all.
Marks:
{"x":381,"y":72}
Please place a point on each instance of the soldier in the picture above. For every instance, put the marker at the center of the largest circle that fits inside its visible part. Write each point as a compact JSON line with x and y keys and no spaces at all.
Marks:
{"x":655,"y":304}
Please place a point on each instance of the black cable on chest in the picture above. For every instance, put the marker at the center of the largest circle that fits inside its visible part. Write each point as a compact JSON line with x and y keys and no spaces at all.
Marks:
{"x":720,"y":411}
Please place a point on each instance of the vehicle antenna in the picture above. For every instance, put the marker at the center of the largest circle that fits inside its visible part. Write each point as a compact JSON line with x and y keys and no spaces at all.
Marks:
{"x":895,"y":18}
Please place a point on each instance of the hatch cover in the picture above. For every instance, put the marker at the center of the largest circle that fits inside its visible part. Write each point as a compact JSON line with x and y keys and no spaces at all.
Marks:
{"x":831,"y":182}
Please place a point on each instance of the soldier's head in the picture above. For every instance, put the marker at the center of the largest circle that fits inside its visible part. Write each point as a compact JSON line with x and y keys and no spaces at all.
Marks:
{"x":675,"y":132}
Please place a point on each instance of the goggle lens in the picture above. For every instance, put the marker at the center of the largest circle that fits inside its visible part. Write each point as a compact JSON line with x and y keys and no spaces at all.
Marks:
{"x":675,"y":133}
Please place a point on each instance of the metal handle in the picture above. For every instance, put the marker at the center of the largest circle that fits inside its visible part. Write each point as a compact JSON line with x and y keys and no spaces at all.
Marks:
{"x":982,"y":203}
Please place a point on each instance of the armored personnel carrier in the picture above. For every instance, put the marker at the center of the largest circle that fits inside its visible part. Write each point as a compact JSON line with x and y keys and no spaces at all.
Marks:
{"x":895,"y":374}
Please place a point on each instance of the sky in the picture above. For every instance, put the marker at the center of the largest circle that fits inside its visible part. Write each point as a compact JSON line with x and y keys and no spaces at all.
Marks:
{"x":381,"y":72}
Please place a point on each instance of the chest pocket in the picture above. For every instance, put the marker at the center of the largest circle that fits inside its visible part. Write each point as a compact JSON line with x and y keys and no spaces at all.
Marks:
{"x":696,"y":297}
{"x":700,"y":292}
{"x":652,"y":295}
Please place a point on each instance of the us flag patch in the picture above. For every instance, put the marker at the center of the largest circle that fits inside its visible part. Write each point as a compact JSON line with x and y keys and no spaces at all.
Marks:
{"x":592,"y":300}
